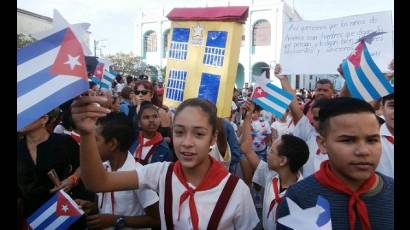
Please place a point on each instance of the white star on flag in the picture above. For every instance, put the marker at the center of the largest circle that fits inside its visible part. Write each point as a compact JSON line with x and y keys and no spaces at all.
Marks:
{"x":72,"y":61}
{"x":301,"y":219}
{"x":354,"y":53}
{"x":259,"y":91}
{"x":65,"y":208}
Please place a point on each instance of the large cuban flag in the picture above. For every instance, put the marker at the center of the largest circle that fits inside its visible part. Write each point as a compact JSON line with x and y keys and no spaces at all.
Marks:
{"x":49,"y":72}
{"x":364,"y":79}
{"x":59,"y":212}
{"x":270,"y":97}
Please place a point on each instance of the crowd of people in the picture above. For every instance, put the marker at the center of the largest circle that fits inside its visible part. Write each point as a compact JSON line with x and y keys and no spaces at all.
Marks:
{"x":131,"y":162}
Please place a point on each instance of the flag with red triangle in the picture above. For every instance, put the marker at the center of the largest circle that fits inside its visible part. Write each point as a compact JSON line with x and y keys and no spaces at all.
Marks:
{"x":50,"y":72}
{"x":59,"y":212}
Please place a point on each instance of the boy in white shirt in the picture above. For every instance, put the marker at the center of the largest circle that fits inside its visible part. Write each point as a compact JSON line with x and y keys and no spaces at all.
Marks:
{"x":386,"y":164}
{"x":129,"y":209}
{"x":286,"y":156}
{"x":303,"y":128}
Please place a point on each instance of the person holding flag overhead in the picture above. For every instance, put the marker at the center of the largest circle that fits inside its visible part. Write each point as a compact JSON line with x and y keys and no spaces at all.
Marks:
{"x":286,"y":156}
{"x":303,"y":128}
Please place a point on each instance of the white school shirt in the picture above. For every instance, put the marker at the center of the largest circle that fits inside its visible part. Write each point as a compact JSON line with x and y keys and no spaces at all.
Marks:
{"x":145,"y":150}
{"x":127,"y":203}
{"x":240,"y":212}
{"x":283,"y":128}
{"x":305,"y":131}
{"x":386,"y":164}
{"x":263,"y":176}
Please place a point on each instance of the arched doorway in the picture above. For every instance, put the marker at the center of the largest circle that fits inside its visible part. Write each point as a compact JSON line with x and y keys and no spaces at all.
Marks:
{"x":239,"y":76}
{"x":257,"y":69}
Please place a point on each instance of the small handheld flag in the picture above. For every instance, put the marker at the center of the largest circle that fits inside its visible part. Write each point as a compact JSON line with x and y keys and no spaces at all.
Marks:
{"x":98,"y":73}
{"x":106,"y":81}
{"x":59,"y":212}
{"x":270,"y":97}
{"x":49,"y":72}
{"x":364,"y":79}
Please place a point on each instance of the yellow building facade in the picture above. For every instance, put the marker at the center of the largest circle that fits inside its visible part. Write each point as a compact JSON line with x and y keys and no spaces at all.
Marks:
{"x":203,"y":55}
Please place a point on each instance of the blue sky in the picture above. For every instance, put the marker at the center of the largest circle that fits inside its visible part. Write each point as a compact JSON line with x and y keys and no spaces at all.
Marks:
{"x":114,"y":20}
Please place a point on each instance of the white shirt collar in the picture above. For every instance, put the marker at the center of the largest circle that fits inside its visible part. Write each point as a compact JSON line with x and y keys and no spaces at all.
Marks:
{"x":384,"y":131}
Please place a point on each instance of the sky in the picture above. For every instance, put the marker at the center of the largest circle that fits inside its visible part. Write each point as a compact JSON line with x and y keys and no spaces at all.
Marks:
{"x":114,"y":21}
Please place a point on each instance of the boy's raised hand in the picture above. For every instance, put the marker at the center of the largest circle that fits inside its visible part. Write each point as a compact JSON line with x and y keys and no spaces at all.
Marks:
{"x":86,"y":110}
{"x":340,"y":70}
{"x":278,"y":71}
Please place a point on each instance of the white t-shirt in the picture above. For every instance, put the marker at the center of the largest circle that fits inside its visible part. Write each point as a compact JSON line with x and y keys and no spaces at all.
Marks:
{"x":263,"y":176}
{"x":119,"y":87}
{"x":386,"y":164}
{"x":240,"y":212}
{"x":127,"y":203}
{"x":283,"y":128}
{"x":260,"y":130}
{"x":305,"y":131}
{"x":267,"y":116}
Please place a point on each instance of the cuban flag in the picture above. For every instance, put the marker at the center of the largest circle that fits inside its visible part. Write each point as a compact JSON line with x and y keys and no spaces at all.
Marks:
{"x":49,"y":72}
{"x":107,"y":79}
{"x":59,"y":212}
{"x":324,"y":222}
{"x":364,"y":79}
{"x":270,"y":97}
{"x":98,"y":73}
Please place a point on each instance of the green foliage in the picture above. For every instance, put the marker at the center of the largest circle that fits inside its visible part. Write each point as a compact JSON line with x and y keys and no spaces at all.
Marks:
{"x":128,"y":64}
{"x":23,"y":40}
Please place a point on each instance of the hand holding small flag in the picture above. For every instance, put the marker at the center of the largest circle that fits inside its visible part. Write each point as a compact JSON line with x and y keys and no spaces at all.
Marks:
{"x":57,"y":213}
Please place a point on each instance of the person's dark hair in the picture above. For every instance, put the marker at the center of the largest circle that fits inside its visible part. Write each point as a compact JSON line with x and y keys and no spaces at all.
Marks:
{"x":145,"y":105}
{"x":295,"y":149}
{"x":117,"y":125}
{"x":205,"y":105}
{"x":53,"y":119}
{"x":91,"y":84}
{"x":129,"y":79}
{"x":148,"y":85}
{"x":339,"y":106}
{"x":118,"y":78}
{"x":143,"y":77}
{"x":320,"y":103}
{"x":387,"y":98}
{"x":257,"y":108}
{"x":325,"y":81}
{"x":125,"y":92}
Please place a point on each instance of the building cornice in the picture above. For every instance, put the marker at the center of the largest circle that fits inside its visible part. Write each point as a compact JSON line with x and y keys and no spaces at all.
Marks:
{"x":34,"y":14}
